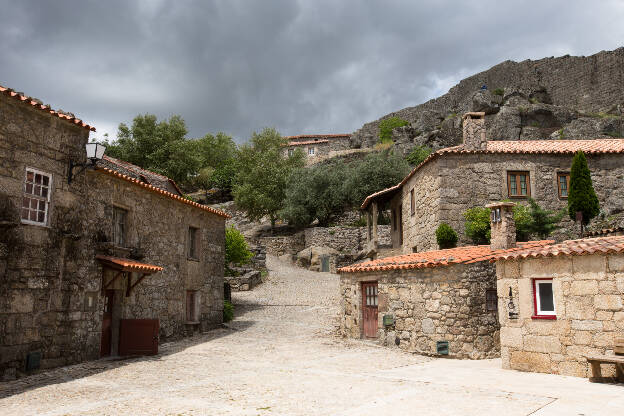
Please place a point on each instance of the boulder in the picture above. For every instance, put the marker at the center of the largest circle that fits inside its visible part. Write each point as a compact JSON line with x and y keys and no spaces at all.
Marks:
{"x":310,"y":257}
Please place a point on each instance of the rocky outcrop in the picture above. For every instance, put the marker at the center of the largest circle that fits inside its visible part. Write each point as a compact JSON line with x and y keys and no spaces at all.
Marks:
{"x":566,"y":97}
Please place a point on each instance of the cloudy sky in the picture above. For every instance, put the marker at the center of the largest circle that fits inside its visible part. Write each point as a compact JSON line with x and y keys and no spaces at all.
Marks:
{"x":307,"y":66}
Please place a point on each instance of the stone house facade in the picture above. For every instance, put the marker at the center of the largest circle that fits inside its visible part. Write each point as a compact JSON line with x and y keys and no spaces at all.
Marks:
{"x":440,"y":302}
{"x":315,"y":145}
{"x":561,"y":303}
{"x":83,"y":263}
{"x":452,"y":180}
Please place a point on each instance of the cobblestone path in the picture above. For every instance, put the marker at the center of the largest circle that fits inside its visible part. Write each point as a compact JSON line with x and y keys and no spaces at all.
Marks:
{"x":280,"y":357}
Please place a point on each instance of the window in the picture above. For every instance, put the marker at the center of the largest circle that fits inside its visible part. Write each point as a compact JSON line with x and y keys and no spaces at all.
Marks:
{"x":412,"y":202}
{"x":192,"y":306}
{"x":291,"y":152}
{"x":193,"y":243}
{"x":491,"y":300}
{"x":311,"y":151}
{"x":563,"y":184}
{"x":544,"y":299}
{"x":518,"y":185}
{"x":119,"y":226}
{"x":371,"y":295}
{"x":36,"y":198}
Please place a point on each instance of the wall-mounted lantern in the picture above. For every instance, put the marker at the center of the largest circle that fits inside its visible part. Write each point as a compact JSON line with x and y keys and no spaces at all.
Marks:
{"x":95,"y":152}
{"x":513,"y":314}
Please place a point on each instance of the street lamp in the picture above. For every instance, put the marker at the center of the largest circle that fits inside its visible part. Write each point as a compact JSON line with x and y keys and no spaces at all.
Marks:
{"x":95,"y":152}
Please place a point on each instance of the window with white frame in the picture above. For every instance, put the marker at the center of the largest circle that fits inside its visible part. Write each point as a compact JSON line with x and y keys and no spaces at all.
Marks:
{"x":544,"y":298}
{"x":291,"y":152}
{"x":311,"y":151}
{"x":36,"y":198}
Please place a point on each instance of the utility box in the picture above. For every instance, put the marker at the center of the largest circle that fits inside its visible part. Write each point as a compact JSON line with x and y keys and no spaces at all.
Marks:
{"x":442,"y":347}
{"x":388,"y":320}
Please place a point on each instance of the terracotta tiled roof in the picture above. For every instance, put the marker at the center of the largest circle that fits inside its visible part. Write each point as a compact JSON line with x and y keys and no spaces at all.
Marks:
{"x":127,"y":264}
{"x":320,"y":136}
{"x":436,"y":258}
{"x":595,"y":146}
{"x":37,"y":104}
{"x":144,"y":175}
{"x":306,"y":142}
{"x":600,"y":245}
{"x":153,"y":188}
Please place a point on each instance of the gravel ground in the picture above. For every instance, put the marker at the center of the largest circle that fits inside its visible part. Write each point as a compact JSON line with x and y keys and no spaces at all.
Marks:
{"x":280,"y":356}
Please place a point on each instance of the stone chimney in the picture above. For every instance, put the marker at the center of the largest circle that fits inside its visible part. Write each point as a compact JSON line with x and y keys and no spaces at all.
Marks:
{"x":474,"y":131}
{"x":502,"y":225}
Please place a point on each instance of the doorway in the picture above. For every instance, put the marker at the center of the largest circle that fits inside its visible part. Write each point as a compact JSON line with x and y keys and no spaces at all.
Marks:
{"x":107,"y":323}
{"x":369,"y":309}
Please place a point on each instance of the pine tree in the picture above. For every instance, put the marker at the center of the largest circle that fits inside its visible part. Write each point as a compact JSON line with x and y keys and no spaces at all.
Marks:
{"x":582,"y":196}
{"x":543,"y":221}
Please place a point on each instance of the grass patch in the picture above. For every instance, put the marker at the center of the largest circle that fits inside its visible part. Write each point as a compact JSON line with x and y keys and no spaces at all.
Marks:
{"x":499,"y":91}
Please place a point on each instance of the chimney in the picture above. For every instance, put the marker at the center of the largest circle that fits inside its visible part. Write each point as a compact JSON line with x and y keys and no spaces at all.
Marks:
{"x":474,"y":131}
{"x":502,"y":224}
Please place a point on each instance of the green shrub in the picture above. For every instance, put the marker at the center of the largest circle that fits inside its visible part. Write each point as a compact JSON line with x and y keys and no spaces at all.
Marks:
{"x":418,"y":155}
{"x":446,"y":236}
{"x":582,"y":196}
{"x":228,"y":311}
{"x":478,"y":224}
{"x":542,"y":222}
{"x":499,"y":91}
{"x":236,"y":249}
{"x":386,"y":126}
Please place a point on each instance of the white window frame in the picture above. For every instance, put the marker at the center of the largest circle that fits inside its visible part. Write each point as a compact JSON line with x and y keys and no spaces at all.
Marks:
{"x":538,"y":304}
{"x":47,"y":199}
{"x":311,"y":151}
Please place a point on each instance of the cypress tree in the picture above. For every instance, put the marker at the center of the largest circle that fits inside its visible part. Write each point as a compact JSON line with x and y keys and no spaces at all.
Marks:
{"x":581,"y":196}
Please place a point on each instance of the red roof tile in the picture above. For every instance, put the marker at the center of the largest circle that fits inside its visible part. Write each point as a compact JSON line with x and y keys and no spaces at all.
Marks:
{"x":36,"y":104}
{"x":168,"y":194}
{"x":595,"y":146}
{"x":306,"y":142}
{"x":127,"y":264}
{"x":435,"y":258}
{"x":320,"y":136}
{"x":600,"y":245}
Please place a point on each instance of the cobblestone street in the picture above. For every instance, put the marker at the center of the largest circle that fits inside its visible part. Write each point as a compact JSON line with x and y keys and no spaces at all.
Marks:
{"x":280,"y":356}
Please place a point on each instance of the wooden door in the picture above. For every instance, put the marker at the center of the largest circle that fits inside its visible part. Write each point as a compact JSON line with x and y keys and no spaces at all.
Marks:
{"x":138,"y":337}
{"x":107,"y":322}
{"x":369,"y":309}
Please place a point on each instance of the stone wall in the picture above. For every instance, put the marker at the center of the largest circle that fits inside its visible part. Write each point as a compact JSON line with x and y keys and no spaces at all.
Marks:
{"x":589,"y":296}
{"x":428,"y":305}
{"x":344,"y":239}
{"x":447,"y":186}
{"x":288,"y":244}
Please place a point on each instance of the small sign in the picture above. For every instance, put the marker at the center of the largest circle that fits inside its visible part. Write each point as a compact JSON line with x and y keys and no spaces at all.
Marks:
{"x":388,"y":320}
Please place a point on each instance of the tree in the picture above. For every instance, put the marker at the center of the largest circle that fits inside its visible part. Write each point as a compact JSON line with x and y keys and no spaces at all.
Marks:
{"x":446,"y":236}
{"x":315,"y":193}
{"x":543,"y":222}
{"x":376,"y":172}
{"x":478,"y":224}
{"x":418,"y":155}
{"x":581,"y":196}
{"x":262,"y":173}
{"x":236,"y":249}
{"x":215,"y":151}
{"x":386,"y":126}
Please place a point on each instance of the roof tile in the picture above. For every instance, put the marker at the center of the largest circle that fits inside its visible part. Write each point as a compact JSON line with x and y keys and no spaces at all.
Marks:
{"x":605,"y":245}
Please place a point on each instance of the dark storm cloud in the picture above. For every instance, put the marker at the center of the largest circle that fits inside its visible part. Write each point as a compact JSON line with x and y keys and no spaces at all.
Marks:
{"x":301,"y":66}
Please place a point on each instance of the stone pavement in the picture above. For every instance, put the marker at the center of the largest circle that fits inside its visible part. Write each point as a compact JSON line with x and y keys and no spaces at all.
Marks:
{"x":280,"y":357}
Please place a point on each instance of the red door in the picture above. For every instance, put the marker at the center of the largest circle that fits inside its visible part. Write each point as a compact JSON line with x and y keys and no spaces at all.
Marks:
{"x":369,"y":309}
{"x":138,"y":337}
{"x":107,"y":320}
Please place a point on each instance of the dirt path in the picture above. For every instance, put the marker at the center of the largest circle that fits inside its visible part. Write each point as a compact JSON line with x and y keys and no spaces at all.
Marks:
{"x":280,"y":357}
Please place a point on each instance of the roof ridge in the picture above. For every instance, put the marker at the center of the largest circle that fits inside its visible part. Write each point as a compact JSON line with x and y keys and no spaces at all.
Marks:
{"x":114,"y":160}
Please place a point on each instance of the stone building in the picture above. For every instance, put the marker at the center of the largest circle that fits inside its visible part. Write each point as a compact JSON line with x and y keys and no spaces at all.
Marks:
{"x":314,"y":145}
{"x":560,"y":303}
{"x":94,"y":261}
{"x":454,"y":179}
{"x":441,"y":302}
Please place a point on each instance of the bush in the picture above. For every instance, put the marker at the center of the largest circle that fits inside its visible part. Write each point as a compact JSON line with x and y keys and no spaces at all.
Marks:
{"x":543,"y":222}
{"x":386,"y":126}
{"x":418,"y":155}
{"x":581,"y":196}
{"x":478,"y":224}
{"x":446,"y":236}
{"x":228,"y":311}
{"x":236,"y":249}
{"x":499,"y":91}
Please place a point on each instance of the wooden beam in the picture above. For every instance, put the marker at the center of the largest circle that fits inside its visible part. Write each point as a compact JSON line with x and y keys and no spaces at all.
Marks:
{"x":132,"y":285}
{"x":107,"y":285}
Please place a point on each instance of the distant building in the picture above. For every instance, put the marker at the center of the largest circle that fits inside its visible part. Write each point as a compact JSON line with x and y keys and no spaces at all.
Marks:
{"x":478,"y":172}
{"x":111,"y":262}
{"x":315,"y":145}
